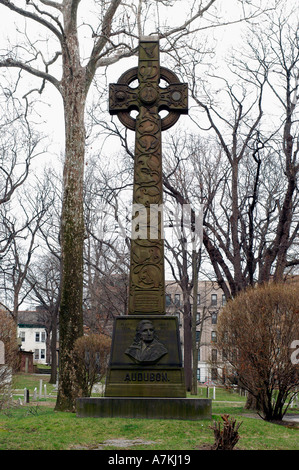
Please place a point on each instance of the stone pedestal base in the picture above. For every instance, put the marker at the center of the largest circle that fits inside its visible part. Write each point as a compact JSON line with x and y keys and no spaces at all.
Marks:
{"x":159,"y":374}
{"x":145,"y":408}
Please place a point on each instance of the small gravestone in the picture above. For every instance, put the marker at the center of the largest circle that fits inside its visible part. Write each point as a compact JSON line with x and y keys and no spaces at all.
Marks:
{"x":26,"y":395}
{"x":2,"y":353}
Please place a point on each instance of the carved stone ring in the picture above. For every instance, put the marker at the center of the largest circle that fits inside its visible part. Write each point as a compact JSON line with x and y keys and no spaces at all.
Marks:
{"x":149,"y":95}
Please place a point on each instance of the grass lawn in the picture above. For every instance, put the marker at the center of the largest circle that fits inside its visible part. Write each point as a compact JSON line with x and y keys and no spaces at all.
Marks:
{"x":36,"y":426}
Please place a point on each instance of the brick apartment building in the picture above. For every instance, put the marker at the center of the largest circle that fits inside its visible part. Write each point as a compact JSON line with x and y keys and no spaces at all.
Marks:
{"x":210,"y":300}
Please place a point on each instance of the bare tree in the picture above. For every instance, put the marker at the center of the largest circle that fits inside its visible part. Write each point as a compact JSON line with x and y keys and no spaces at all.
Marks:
{"x":182,"y":219}
{"x":19,"y":145}
{"x":24,"y":225}
{"x":251,"y":223}
{"x":43,"y":278}
{"x":278,"y":54}
{"x":107,"y":243}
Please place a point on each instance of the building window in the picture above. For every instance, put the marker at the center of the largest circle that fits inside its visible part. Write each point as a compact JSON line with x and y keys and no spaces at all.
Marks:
{"x":198,"y":354}
{"x":168,"y":299}
{"x":198,"y":317}
{"x":36,"y":354}
{"x":43,"y":333}
{"x":214,"y":336}
{"x":223,"y":300}
{"x":197,"y":336}
{"x":214,"y":318}
{"x":42,"y":353}
{"x":37,"y":337}
{"x":177,"y":299}
{"x":198,"y":299}
{"x":214,"y":374}
{"x":198,"y":374}
{"x":214,"y":355}
{"x":22,"y":336}
{"x":214,"y":299}
{"x":234,"y":356}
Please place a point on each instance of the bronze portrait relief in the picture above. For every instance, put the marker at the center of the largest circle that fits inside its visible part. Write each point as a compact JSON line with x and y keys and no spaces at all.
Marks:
{"x":146,"y":348}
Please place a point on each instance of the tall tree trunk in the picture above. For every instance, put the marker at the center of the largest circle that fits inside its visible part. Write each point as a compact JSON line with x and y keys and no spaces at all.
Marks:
{"x":72,"y":239}
{"x":73,"y":88}
{"x":238,"y":276}
{"x":194,"y":314}
{"x":187,"y":340}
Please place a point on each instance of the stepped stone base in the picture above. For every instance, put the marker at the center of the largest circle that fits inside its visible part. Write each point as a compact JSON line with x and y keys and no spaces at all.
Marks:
{"x":145,"y":408}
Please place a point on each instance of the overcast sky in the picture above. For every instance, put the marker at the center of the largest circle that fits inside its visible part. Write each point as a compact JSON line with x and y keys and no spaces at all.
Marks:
{"x":51,"y":109}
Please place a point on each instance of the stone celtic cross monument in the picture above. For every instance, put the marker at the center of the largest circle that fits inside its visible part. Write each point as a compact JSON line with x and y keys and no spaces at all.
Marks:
{"x":146,"y":354}
{"x":145,"y":376}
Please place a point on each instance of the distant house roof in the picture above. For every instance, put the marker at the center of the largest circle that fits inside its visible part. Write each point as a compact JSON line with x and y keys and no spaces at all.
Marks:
{"x":31,"y":318}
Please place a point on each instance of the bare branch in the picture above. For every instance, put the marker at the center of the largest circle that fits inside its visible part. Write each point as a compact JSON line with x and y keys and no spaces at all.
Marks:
{"x":199,"y":13}
{"x":49,"y":15}
{"x":49,"y":3}
{"x":38,"y":73}
{"x":102,"y":40}
{"x":34,"y":17}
